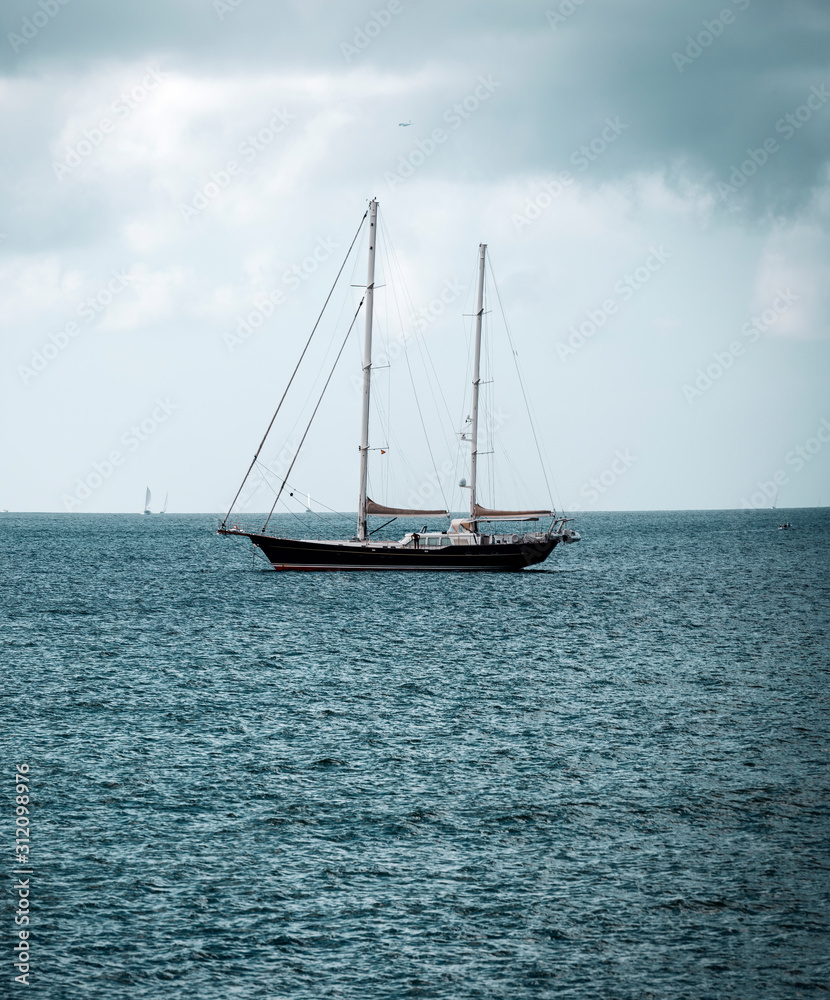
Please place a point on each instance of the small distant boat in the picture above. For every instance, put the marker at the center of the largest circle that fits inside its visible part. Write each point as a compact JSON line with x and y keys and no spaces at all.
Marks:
{"x":784,"y":526}
{"x":164,"y":508}
{"x":147,"y":498}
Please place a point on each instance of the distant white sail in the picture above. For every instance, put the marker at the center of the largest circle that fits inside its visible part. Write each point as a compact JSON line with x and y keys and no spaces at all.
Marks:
{"x":147,"y":501}
{"x":164,"y":508}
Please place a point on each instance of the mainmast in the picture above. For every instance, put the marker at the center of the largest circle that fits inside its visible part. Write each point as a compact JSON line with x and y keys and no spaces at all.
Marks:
{"x":482,"y":249}
{"x":367,"y":374}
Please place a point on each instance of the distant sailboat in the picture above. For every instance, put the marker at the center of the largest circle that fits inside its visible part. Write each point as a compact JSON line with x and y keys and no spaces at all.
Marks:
{"x":147,"y":501}
{"x":164,"y":508}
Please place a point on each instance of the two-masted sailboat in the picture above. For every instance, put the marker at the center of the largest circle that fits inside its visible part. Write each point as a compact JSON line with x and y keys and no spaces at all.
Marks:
{"x":463,"y":546}
{"x":147,"y":500}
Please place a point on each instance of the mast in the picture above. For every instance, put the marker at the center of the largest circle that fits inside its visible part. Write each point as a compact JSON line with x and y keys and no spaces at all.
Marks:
{"x":482,"y":248}
{"x":367,"y":374}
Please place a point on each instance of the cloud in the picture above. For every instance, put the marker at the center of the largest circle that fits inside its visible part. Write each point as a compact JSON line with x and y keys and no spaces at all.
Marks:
{"x":558,"y":83}
{"x":312,"y":128}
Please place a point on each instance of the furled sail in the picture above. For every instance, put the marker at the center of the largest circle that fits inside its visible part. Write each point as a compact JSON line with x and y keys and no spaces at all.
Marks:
{"x":483,"y":512}
{"x":377,"y":508}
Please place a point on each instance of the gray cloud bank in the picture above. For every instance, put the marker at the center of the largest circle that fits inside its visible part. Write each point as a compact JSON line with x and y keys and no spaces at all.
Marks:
{"x":700,"y":87}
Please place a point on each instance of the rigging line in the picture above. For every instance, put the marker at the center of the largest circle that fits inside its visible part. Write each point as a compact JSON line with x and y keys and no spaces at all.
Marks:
{"x":384,"y":525}
{"x":288,"y":510}
{"x":383,"y":416}
{"x":489,"y":395}
{"x":414,"y":480}
{"x":421,"y":343}
{"x":423,"y":426}
{"x":423,"y":350}
{"x":300,"y":518}
{"x":319,"y":503}
{"x":311,"y":391}
{"x":415,"y":392}
{"x":519,"y":483}
{"x":468,"y":336}
{"x":546,"y":464}
{"x":316,"y":513}
{"x":314,"y":414}
{"x":381,"y":397}
{"x":296,"y":369}
{"x":522,"y":385}
{"x":460,"y":471}
{"x":461,"y":455}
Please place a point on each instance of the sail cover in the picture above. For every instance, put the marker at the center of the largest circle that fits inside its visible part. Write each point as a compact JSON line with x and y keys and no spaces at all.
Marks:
{"x":378,"y":508}
{"x":483,"y":512}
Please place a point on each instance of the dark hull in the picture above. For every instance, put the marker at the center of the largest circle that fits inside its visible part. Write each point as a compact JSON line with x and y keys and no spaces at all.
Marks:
{"x":289,"y":553}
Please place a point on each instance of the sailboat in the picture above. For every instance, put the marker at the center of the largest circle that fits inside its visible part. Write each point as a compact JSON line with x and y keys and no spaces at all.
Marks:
{"x":164,"y":507}
{"x":147,"y":499}
{"x":463,"y":546}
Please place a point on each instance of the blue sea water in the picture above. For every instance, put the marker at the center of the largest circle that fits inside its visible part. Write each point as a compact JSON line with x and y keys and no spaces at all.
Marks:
{"x":606,"y":778}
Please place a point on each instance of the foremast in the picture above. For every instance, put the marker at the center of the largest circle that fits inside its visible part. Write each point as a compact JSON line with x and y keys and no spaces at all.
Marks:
{"x":482,"y":250}
{"x":367,"y":374}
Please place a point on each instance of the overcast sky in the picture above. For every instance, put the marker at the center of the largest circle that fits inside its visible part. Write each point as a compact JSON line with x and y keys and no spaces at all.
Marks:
{"x":651,"y":179}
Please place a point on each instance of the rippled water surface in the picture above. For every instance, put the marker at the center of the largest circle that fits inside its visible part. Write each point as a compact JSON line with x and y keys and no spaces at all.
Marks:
{"x":605,"y":779}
